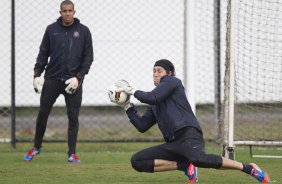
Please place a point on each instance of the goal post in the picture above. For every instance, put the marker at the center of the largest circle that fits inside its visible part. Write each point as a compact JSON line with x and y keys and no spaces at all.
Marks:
{"x":252,"y":110}
{"x":229,"y":79}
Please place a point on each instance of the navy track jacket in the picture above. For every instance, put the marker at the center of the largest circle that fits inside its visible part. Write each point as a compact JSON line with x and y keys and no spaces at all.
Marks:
{"x":69,"y":48}
{"x":168,"y":107}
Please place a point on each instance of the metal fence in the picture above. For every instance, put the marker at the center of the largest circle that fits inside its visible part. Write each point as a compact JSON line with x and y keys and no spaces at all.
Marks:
{"x":128,"y":37}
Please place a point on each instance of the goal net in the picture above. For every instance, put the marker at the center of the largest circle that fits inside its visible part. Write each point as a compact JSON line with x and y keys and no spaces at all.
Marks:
{"x":253,"y":80}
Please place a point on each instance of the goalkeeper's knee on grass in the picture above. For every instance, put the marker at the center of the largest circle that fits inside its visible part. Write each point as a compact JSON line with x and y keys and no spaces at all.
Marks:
{"x":142,"y":165}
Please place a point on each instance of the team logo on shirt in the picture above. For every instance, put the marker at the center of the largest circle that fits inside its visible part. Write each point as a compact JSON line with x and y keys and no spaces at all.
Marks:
{"x":76,"y":34}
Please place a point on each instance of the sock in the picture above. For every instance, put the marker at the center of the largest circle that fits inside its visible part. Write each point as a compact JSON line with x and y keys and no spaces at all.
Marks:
{"x":247,"y":168}
{"x":182,"y":166}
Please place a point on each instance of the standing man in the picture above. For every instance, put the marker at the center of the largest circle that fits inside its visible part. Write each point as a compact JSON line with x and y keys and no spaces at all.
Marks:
{"x":170,"y":109}
{"x":68,"y":45}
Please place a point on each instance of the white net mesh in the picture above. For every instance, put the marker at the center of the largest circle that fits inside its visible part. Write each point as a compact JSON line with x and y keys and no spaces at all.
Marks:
{"x":128,"y":37}
{"x":258,"y":70}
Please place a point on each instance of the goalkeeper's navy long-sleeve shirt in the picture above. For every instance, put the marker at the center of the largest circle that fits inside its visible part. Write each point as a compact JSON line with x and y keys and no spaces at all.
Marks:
{"x":168,"y":107}
{"x":69,"y":48}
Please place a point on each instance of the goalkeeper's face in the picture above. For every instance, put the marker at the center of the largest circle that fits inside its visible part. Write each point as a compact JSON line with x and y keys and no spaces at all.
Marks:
{"x":158,"y":73}
{"x":67,"y":13}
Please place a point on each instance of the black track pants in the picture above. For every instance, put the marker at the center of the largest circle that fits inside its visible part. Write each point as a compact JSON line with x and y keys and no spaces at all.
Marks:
{"x":50,"y":92}
{"x":188,"y":147}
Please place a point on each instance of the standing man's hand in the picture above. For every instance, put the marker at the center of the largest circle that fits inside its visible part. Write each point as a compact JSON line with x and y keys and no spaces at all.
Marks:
{"x":73,"y":84}
{"x":37,"y":84}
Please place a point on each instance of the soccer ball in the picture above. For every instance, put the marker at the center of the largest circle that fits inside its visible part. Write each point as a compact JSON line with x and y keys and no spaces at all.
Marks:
{"x":118,"y":97}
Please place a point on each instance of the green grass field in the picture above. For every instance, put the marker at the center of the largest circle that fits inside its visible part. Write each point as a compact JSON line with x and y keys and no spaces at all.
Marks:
{"x":107,"y":163}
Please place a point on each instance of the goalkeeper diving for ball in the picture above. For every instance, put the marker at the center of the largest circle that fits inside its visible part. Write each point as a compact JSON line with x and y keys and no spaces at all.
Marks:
{"x":184,"y":147}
